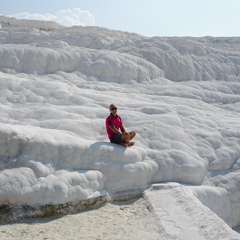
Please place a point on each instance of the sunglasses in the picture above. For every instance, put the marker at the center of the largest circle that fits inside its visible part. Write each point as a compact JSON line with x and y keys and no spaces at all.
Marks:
{"x":113,"y":108}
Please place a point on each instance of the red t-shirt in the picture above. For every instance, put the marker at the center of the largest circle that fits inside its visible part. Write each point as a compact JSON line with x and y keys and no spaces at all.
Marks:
{"x":116,"y":121}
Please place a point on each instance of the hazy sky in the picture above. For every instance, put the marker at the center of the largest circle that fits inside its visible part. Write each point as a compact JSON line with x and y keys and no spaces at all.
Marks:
{"x":146,"y":17}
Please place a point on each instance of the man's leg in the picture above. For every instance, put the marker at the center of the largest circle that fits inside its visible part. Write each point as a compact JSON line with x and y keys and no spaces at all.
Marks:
{"x":132,"y":135}
{"x":127,"y":137}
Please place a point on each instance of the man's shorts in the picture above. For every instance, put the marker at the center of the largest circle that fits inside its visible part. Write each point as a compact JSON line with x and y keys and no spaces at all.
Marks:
{"x":116,"y":139}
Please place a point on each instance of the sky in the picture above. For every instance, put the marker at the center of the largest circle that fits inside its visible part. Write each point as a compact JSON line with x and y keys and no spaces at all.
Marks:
{"x":149,"y":18}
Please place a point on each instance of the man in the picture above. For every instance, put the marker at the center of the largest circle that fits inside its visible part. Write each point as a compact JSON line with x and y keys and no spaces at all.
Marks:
{"x":115,"y":129}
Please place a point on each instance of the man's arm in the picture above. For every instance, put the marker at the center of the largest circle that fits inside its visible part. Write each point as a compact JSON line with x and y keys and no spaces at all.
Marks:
{"x":112,"y":127}
{"x":122,"y":128}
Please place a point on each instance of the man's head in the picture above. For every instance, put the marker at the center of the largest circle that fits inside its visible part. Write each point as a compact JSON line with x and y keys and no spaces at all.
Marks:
{"x":113,"y":109}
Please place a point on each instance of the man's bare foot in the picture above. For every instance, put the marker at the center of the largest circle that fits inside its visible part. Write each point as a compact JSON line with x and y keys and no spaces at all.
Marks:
{"x":127,"y":144}
{"x":131,"y":144}
{"x":124,"y":144}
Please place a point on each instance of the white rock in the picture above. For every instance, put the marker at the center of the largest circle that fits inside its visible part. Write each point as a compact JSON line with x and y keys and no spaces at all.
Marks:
{"x":181,"y":96}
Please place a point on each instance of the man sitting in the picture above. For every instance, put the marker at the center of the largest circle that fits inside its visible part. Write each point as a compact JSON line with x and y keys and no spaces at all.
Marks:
{"x":115,"y":129}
